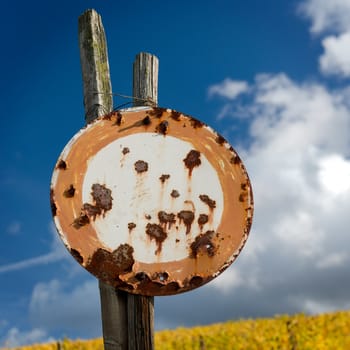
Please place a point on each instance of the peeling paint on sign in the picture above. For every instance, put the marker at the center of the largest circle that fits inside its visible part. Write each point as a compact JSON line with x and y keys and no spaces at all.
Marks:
{"x":151,"y":201}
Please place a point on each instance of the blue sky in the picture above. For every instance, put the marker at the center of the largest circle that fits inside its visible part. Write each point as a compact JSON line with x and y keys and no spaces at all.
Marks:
{"x":271,"y":76}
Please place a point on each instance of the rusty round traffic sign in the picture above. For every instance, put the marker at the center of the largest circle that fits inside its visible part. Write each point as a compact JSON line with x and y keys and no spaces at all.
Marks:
{"x":151,"y":201}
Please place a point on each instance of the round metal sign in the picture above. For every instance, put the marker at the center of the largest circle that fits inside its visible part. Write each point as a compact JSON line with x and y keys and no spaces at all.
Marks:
{"x":151,"y":201}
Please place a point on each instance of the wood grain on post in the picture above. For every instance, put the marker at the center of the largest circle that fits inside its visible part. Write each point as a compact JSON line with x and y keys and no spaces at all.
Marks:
{"x":114,"y":317}
{"x":141,"y":308}
{"x":97,"y":85}
{"x":98,"y":100}
{"x":145,"y":80}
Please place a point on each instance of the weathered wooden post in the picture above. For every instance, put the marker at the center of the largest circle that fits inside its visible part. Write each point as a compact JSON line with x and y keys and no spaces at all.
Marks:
{"x":98,"y":99}
{"x":127,"y":320}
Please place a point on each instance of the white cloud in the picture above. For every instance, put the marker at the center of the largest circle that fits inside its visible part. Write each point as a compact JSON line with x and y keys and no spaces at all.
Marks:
{"x":31,"y":262}
{"x":327,"y":15}
{"x":300,"y":233}
{"x":333,"y":260}
{"x":69,"y":307}
{"x":57,"y":252}
{"x":75,"y":308}
{"x":314,"y":307}
{"x":15,"y":337}
{"x":334,"y":174}
{"x":228,"y":88}
{"x":298,"y":162}
{"x":336,"y":57}
{"x":233,"y":279}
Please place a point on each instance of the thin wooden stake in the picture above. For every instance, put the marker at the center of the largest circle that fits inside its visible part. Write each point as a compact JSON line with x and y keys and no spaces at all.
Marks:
{"x":145,"y":80}
{"x":98,"y":100}
{"x":141,"y":308}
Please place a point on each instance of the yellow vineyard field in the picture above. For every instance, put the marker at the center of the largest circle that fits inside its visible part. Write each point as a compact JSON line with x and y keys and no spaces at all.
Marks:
{"x":322,"y":332}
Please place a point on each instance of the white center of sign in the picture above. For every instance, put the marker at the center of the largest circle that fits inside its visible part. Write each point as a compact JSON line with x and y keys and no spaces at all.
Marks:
{"x":159,"y":205}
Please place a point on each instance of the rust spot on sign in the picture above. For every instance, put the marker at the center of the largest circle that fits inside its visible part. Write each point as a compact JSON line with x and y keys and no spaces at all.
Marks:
{"x":62,"y":165}
{"x":52,"y":203}
{"x":196,"y":123}
{"x":164,"y":177}
{"x":81,"y":221}
{"x":109,"y":265}
{"x":118,"y":283}
{"x":166,"y":219}
{"x":187,"y":217}
{"x":141,"y":166}
{"x":142,"y":276}
{"x":241,"y":197}
{"x":108,"y":116}
{"x":192,"y":160}
{"x":161,"y":276}
{"x":125,"y":150}
{"x":249,"y":222}
{"x":220,"y":140}
{"x":146,"y":120}
{"x":69,"y":192}
{"x":119,"y":119}
{"x":157,"y":112}
{"x":162,"y":128}
{"x":202,"y":220}
{"x":102,"y":197}
{"x":131,"y":226}
{"x":175,"y":194}
{"x":203,"y":245}
{"x":77,"y":256}
{"x":91,"y":210}
{"x":175,"y":115}
{"x":157,"y":233}
{"x":123,"y":257}
{"x":235,"y":160}
{"x":159,"y":282}
{"x":196,"y":281}
{"x":208,"y":201}
{"x":171,"y":288}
